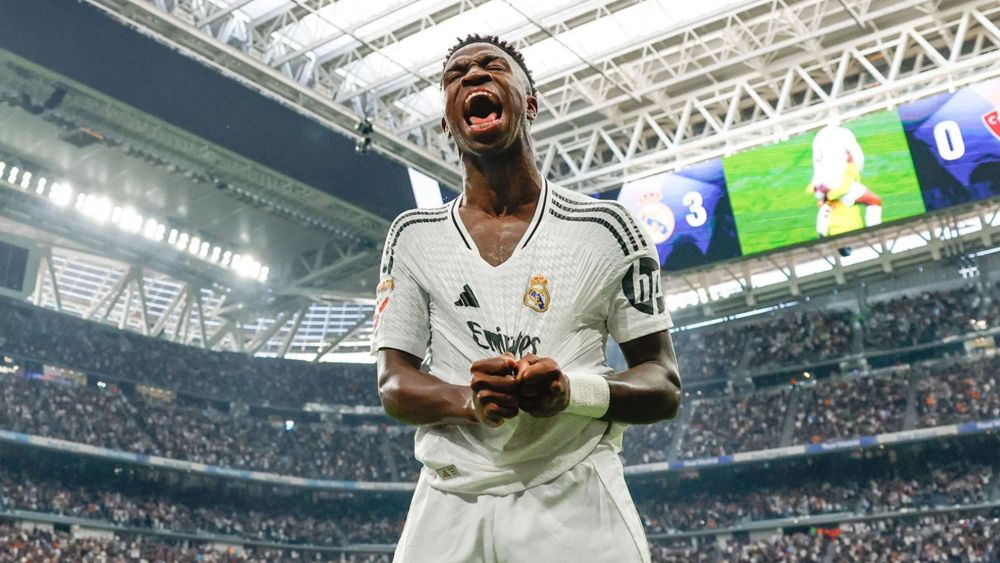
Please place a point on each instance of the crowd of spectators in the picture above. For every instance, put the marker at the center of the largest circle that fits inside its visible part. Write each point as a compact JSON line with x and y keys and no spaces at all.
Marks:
{"x":938,"y":486}
{"x":264,"y":520}
{"x":30,"y":544}
{"x":851,"y":407}
{"x":710,"y":353}
{"x":796,"y":338}
{"x":735,"y":423}
{"x":88,"y":346}
{"x":784,"y":338}
{"x":649,"y":443}
{"x":959,"y":392}
{"x":828,"y":410}
{"x":941,"y":538}
{"x":111,"y":419}
{"x":671,"y":509}
{"x":922,"y":318}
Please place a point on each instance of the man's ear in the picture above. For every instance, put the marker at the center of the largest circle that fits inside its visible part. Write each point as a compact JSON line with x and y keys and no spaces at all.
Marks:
{"x":444,"y":127}
{"x":531,"y":109}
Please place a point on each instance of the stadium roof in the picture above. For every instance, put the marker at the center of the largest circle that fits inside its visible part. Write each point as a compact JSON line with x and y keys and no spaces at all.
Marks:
{"x":628,"y":87}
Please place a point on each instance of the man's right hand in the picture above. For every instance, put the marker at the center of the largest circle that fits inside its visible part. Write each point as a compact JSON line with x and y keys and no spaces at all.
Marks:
{"x":494,"y":390}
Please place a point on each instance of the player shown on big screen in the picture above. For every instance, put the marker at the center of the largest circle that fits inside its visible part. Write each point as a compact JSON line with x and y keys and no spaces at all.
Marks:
{"x":838,"y":162}
{"x":506,"y":297}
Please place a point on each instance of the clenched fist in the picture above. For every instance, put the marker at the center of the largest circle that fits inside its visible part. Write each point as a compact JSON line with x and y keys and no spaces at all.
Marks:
{"x":542,"y":388}
{"x":494,"y":389}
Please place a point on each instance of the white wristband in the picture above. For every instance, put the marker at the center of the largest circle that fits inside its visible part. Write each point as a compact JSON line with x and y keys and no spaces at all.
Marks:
{"x":589,"y":394}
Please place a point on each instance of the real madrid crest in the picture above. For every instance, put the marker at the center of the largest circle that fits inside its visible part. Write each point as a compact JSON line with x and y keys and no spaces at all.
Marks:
{"x":537,"y":297}
{"x":657,"y":216}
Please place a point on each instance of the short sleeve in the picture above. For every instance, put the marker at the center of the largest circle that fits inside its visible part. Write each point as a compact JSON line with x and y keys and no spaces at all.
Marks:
{"x":636,"y":305}
{"x":402,"y":314}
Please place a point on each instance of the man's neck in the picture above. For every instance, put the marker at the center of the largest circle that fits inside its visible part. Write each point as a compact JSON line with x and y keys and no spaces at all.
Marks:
{"x":503,"y":184}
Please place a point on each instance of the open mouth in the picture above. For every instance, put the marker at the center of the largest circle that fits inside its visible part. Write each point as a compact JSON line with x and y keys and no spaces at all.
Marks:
{"x":482,"y":110}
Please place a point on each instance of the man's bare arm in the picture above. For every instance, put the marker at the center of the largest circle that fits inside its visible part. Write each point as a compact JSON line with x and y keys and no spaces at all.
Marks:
{"x":647,"y":392}
{"x":416,"y":397}
{"x":650,"y":390}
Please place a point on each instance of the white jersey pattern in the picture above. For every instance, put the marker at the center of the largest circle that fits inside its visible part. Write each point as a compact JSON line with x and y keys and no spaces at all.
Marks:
{"x":582,"y":271}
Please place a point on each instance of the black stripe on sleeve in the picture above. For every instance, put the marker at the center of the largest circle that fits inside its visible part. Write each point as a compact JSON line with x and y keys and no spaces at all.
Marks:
{"x":403,"y":217}
{"x":413,"y":213}
{"x":630,"y":219}
{"x":606,"y":208}
{"x":598,"y":220}
{"x":391,"y":246}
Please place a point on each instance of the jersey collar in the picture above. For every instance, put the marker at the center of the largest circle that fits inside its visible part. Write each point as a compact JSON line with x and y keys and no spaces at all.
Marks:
{"x":529,"y":233}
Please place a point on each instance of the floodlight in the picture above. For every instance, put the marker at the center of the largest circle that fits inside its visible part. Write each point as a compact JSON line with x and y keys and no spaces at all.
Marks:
{"x":61,"y":194}
{"x":97,"y":208}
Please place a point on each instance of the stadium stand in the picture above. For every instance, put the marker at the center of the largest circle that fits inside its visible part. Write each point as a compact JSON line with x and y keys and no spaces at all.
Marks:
{"x":851,"y":407}
{"x":931,"y":538}
{"x":960,"y":392}
{"x":109,"y":418}
{"x":923,"y":318}
{"x":739,"y":420}
{"x":18,"y":543}
{"x":106,"y":408}
{"x":33,"y":332}
{"x":800,"y":338}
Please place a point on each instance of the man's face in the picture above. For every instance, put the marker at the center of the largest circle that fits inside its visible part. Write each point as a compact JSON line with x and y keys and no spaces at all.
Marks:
{"x":486,"y":99}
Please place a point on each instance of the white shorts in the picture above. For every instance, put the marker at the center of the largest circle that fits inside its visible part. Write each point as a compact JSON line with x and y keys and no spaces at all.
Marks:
{"x":584,"y":515}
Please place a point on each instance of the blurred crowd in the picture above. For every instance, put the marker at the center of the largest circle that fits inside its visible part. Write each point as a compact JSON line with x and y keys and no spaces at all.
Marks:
{"x":111,"y":419}
{"x":735,"y":423}
{"x":965,"y":392}
{"x":942,"y":538}
{"x":72,"y":342}
{"x":923,"y":318}
{"x":828,"y":410}
{"x":851,"y":407}
{"x":270,"y":521}
{"x":784,"y":338}
{"x":19,"y":545}
{"x":669,"y":509}
{"x":710,"y":353}
{"x":687,"y":511}
{"x":800,"y":338}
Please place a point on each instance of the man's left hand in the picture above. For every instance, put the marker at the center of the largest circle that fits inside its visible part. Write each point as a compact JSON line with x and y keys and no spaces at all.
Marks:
{"x":543,"y":389}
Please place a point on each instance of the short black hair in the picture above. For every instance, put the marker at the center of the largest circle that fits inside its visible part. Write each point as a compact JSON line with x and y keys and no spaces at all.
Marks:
{"x":501,"y":44}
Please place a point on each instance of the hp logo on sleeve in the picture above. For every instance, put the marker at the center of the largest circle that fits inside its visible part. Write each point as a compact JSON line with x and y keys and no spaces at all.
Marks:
{"x":641,"y":286}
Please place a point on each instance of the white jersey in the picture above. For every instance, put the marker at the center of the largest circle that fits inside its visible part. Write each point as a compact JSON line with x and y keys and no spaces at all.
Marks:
{"x":833,"y":148}
{"x":582,"y":271}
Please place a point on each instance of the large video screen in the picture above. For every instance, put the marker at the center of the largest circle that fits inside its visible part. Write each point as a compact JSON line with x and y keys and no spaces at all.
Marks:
{"x":930,"y":154}
{"x":839,"y":179}
{"x":955,"y":143}
{"x":687,"y":214}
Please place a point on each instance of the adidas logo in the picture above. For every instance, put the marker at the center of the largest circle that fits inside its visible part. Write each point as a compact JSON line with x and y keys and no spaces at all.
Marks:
{"x":467,"y":298}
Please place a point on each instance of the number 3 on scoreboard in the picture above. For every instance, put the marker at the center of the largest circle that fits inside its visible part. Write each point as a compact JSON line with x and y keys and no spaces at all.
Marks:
{"x":949,"y":140}
{"x":698,"y":214}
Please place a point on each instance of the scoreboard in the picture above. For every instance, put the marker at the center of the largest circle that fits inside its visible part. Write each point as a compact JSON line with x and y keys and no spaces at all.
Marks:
{"x":924,"y":156}
{"x":687,"y":215}
{"x":955,"y":142}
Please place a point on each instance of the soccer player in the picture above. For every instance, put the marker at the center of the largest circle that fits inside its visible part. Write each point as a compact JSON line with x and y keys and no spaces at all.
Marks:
{"x":838,"y":162}
{"x":507,"y":296}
